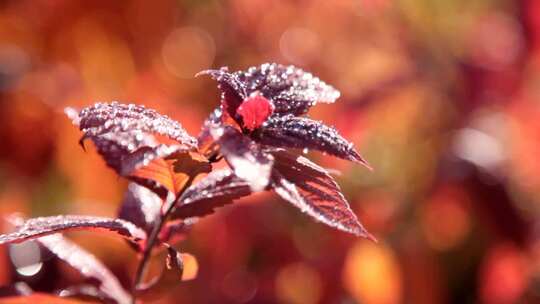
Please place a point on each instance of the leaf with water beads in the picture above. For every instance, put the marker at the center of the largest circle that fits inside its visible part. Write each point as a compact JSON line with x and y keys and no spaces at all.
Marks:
{"x":114,"y":117}
{"x":42,"y":226}
{"x":291,"y":89}
{"x":138,"y":143}
{"x":214,"y":190}
{"x":311,"y":189}
{"x":301,"y":132}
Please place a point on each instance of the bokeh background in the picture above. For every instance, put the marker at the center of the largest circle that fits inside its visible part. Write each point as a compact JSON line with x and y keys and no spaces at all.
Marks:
{"x":441,"y":97}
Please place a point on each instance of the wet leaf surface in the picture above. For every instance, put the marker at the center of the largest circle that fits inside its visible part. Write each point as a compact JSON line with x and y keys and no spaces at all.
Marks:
{"x":291,"y":89}
{"x":311,"y":189}
{"x":304,"y":133}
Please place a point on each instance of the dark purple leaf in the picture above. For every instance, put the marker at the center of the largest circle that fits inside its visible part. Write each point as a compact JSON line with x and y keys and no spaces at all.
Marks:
{"x":214,"y":190}
{"x":140,"y":206}
{"x":134,"y":141}
{"x":171,"y":175}
{"x":292,"y":90}
{"x":172,"y":274}
{"x":114,"y":117}
{"x":87,"y":264}
{"x":304,"y":133}
{"x":245,"y":156}
{"x":41,"y":226}
{"x":311,"y":189}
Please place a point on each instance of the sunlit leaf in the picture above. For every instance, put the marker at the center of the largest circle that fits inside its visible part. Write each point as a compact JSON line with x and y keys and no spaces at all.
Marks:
{"x":245,"y":157}
{"x":87,"y":264}
{"x":178,"y":267}
{"x":171,"y":174}
{"x":311,"y":189}
{"x":302,"y":133}
{"x":41,"y":226}
{"x":214,"y":190}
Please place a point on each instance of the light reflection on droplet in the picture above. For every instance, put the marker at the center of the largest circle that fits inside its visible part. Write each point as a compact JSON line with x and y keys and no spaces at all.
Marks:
{"x":188,"y":50}
{"x":26,"y":257}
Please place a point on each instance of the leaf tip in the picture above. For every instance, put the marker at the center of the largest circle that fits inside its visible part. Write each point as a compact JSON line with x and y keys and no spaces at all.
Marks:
{"x":359,"y":159}
{"x":362,"y":232}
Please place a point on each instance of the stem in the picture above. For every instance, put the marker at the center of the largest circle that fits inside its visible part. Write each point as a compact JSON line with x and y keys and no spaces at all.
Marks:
{"x":151,"y":242}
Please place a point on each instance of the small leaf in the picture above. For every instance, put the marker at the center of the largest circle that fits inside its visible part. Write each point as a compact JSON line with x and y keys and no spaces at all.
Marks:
{"x":178,"y":267}
{"x":311,"y":189}
{"x":87,"y":264}
{"x":300,"y":132}
{"x":114,"y":117}
{"x":41,"y":226}
{"x":291,"y":89}
{"x":214,"y":190}
{"x":245,"y":157}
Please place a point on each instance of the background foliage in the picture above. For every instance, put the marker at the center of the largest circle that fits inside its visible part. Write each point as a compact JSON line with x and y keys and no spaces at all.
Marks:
{"x":440,"y":97}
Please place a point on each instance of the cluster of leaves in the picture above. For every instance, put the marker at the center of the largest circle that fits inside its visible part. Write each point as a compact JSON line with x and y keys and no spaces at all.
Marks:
{"x":258,"y":129}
